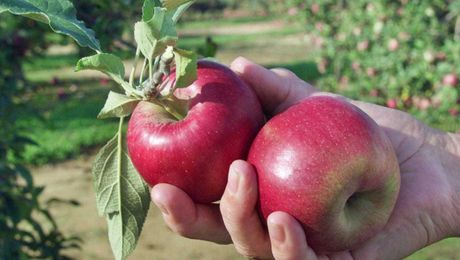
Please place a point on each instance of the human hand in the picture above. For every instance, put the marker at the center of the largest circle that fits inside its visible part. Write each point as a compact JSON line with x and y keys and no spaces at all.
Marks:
{"x":426,"y":211}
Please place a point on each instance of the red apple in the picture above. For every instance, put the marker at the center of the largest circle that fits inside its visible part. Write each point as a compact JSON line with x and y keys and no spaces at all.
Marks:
{"x":362,"y":46}
{"x":195,"y":153}
{"x":315,"y":8}
{"x":450,"y":80}
{"x":329,"y":165}
{"x":371,"y":72}
{"x":392,"y":103}
{"x":393,"y":45}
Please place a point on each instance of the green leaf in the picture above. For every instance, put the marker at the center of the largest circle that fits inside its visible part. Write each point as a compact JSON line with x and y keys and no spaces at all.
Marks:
{"x":146,"y":41}
{"x":172,"y":4}
{"x":118,"y":105}
{"x":186,"y":68}
{"x":179,"y":11}
{"x":59,"y":14}
{"x":108,"y":64}
{"x":154,"y":35}
{"x":148,"y":9}
{"x":122,"y":196}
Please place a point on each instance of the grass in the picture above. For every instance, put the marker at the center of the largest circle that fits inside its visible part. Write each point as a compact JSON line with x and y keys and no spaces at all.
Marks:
{"x":66,"y":126}
{"x":207,"y":23}
{"x":232,"y":40}
{"x":50,"y":62}
{"x":445,"y":249}
{"x":306,"y":70}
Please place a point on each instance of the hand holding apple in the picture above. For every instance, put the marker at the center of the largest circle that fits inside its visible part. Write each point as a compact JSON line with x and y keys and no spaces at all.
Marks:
{"x":426,"y":202}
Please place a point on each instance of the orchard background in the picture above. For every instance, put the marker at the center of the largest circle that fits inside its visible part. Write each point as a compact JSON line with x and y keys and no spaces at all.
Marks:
{"x":401,"y":54}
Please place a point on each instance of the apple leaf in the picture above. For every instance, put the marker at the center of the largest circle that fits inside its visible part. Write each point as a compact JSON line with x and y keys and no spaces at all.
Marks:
{"x":121,"y":194}
{"x":59,"y":14}
{"x":108,"y":64}
{"x":154,"y":35}
{"x":146,"y":41}
{"x":186,"y":67}
{"x":173,"y":4}
{"x":180,"y":10}
{"x":118,"y":105}
{"x":148,"y":9}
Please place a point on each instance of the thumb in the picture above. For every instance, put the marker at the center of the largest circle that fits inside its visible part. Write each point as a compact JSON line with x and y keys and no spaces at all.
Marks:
{"x":277,"y":89}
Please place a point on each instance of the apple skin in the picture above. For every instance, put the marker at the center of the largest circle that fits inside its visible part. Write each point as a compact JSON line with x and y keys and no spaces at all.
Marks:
{"x":329,"y":165}
{"x":195,"y":153}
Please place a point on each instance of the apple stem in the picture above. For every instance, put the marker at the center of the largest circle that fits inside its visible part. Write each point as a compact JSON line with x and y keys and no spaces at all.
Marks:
{"x":161,"y":69}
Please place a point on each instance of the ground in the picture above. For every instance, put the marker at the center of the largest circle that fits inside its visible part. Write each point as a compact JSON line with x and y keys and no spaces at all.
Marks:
{"x":72,"y":180}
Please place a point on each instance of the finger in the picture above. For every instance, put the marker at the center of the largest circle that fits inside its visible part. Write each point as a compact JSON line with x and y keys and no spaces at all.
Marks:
{"x":277,"y":89}
{"x":188,"y":219}
{"x":288,"y":238}
{"x":238,"y":207}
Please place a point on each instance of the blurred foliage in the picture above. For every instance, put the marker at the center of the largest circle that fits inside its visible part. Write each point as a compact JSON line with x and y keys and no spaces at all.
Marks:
{"x":65,"y":131}
{"x":208,"y":9}
{"x":112,"y":22}
{"x":404,"y":54}
{"x":27,"y":229}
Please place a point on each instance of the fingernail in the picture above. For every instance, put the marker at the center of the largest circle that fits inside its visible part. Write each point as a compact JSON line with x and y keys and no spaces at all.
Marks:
{"x":237,"y":64}
{"x":233,"y":181}
{"x":276,"y":232}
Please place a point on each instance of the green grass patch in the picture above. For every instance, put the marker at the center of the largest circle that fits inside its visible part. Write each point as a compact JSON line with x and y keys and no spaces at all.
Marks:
{"x":306,"y":70}
{"x":445,"y":249}
{"x":50,"y":62}
{"x":206,"y":23}
{"x":66,"y":126}
{"x":232,"y":40}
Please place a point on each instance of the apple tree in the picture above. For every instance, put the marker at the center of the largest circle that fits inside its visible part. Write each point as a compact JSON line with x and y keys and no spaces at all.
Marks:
{"x":403,"y":54}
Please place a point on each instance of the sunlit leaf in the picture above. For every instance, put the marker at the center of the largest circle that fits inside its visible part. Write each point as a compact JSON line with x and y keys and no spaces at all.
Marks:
{"x":118,"y":105}
{"x":186,"y":68}
{"x":108,"y":64}
{"x":122,"y":196}
{"x":154,"y":35}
